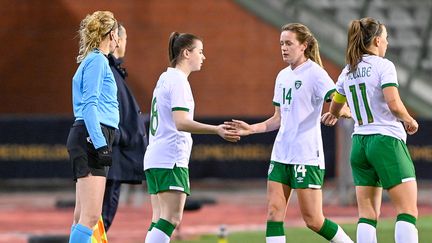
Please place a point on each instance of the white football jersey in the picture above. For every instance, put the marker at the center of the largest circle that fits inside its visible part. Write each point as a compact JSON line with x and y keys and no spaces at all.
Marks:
{"x":363,"y":90}
{"x":300,"y":94}
{"x":168,"y":146}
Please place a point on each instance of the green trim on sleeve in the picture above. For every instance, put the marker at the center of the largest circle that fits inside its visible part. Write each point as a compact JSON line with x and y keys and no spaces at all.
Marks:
{"x":276,"y":104}
{"x":327,"y":96}
{"x":180,"y":109}
{"x":388,"y":85}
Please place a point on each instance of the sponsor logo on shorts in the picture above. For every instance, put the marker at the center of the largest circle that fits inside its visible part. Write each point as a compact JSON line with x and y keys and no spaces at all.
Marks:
{"x":300,"y":179}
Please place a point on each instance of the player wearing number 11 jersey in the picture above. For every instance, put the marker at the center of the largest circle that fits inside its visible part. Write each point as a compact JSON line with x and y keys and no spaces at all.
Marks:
{"x":362,"y":90}
{"x":379,"y":156}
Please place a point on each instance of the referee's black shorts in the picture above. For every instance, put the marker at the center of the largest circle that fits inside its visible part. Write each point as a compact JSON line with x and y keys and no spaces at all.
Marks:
{"x":82,"y":154}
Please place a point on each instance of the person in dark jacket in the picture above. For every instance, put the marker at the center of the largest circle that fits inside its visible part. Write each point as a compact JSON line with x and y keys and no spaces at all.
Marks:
{"x":130,"y":141}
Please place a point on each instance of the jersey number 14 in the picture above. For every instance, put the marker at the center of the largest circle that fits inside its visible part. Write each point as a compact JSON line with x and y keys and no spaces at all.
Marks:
{"x":287,"y":96}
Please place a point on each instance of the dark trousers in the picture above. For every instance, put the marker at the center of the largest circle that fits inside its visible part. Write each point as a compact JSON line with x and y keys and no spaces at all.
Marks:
{"x":110,"y":203}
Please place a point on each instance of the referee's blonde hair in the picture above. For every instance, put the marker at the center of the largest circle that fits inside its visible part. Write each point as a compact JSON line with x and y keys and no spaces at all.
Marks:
{"x":93,"y":29}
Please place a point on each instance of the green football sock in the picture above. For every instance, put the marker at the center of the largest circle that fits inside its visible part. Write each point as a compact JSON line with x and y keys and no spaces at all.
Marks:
{"x":328,"y":230}
{"x":274,"y":229}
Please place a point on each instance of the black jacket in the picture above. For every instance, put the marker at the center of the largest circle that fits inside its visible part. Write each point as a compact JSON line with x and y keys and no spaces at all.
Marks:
{"x":131,"y":138}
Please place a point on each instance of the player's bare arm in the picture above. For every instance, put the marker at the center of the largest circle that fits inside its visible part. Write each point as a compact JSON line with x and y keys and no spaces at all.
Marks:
{"x":243,"y":129}
{"x":396,"y":106}
{"x":185,"y":124}
{"x":338,"y":108}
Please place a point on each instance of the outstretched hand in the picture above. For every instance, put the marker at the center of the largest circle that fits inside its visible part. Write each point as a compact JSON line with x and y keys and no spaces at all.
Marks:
{"x":329,"y":119}
{"x":240,"y":127}
{"x":228,"y":134}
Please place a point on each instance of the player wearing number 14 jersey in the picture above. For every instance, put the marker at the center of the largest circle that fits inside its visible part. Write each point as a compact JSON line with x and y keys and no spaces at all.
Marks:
{"x":300,"y":94}
{"x":297,"y":160}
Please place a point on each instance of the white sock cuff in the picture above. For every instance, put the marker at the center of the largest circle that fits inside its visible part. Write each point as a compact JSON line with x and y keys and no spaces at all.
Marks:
{"x":276,"y":239}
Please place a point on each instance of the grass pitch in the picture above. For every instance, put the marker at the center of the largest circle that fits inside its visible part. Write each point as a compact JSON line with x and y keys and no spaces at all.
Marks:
{"x":385,"y":231}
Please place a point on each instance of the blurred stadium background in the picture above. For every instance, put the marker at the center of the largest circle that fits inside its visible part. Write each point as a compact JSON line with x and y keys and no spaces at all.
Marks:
{"x":39,"y":45}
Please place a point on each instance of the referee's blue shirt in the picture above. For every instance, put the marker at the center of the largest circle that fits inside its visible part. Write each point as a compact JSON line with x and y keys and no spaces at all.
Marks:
{"x":94,"y":96}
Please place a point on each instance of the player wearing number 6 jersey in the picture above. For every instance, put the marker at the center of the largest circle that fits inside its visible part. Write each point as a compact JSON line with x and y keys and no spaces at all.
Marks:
{"x":297,"y":160}
{"x":379,"y":156}
{"x":171,"y":124}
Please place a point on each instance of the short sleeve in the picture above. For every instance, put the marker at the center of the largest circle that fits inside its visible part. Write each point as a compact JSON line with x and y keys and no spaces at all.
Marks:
{"x":277,"y":91}
{"x":388,"y":76}
{"x":181,"y":96}
{"x":324,"y":86}
{"x":340,"y":82}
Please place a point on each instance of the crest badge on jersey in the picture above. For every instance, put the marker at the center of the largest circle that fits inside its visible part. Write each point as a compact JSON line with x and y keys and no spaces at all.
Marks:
{"x":298,"y":84}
